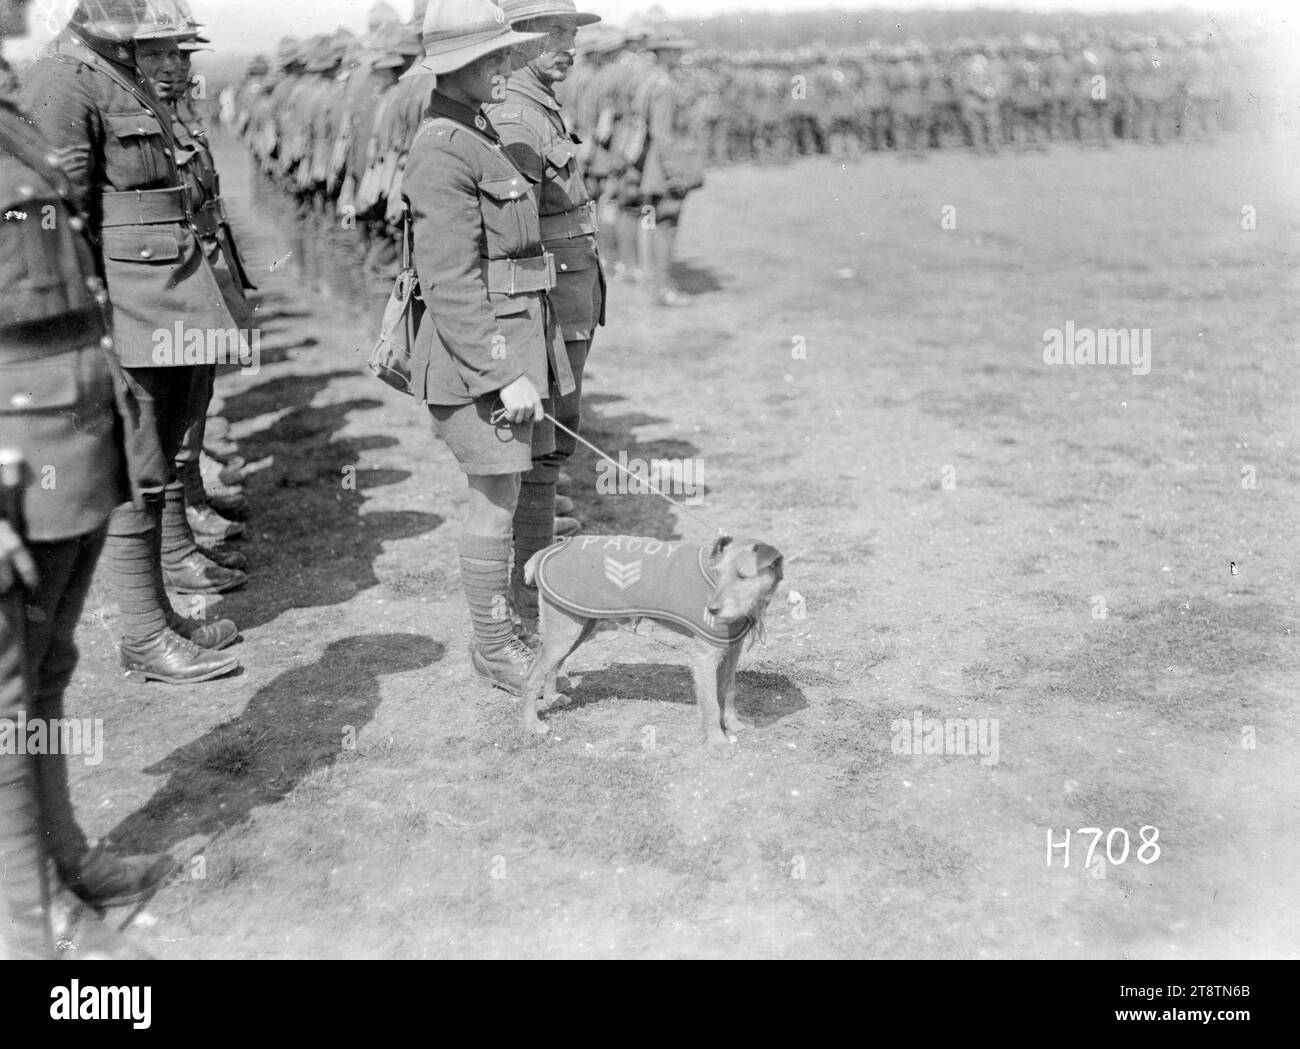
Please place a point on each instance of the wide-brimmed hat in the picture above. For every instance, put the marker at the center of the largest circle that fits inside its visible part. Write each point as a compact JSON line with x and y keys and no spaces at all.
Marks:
{"x":457,"y":32}
{"x":520,"y":10}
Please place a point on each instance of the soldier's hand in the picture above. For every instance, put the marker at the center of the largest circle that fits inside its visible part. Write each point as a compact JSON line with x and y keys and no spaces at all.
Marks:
{"x":15,"y":560}
{"x":521,"y":401}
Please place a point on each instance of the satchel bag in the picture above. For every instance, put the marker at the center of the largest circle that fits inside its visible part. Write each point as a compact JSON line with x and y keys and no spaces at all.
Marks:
{"x":390,"y":360}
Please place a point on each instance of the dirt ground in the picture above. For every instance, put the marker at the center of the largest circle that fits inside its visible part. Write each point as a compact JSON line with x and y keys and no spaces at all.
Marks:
{"x":865,"y":389}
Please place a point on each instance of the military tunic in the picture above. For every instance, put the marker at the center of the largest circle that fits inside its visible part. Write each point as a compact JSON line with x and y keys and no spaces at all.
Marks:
{"x":116,"y":143}
{"x":56,"y":389}
{"x":482,"y":271}
{"x":535,"y":135}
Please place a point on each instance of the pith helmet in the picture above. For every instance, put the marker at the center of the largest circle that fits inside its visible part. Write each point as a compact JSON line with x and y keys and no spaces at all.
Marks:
{"x":458,"y":32}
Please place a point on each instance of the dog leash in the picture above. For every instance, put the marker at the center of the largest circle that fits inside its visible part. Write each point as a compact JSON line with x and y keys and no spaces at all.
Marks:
{"x":499,"y":416}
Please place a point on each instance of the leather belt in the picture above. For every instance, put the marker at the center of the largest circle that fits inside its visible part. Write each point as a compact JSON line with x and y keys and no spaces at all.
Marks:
{"x":579,"y":222}
{"x":516,"y":276}
{"x":143,"y":207}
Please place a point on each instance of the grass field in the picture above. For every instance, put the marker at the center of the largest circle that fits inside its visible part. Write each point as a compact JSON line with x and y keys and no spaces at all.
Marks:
{"x":975,"y":534}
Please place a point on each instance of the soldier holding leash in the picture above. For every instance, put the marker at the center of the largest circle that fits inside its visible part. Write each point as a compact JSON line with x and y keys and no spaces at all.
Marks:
{"x":481,"y":354}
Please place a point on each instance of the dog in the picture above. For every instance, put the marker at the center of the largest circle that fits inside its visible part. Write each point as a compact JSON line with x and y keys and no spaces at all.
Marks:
{"x":714,"y":594}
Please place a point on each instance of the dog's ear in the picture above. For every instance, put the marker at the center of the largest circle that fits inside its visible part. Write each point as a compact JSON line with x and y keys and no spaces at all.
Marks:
{"x":770,"y":556}
{"x":719,"y":545}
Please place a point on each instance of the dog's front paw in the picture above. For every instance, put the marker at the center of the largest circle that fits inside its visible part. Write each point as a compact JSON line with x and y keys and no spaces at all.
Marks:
{"x":735,"y":724}
{"x":534,"y":725}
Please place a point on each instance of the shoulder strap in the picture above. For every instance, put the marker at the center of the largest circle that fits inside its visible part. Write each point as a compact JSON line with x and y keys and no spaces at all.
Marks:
{"x":458,"y":126}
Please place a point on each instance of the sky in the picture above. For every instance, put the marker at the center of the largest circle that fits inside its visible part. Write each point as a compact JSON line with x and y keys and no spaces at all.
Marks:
{"x":255,"y":25}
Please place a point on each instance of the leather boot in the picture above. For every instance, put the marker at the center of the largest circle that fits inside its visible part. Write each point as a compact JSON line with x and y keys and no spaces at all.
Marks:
{"x":185,"y":569}
{"x":210,"y":470}
{"x":170,"y":658}
{"x":233,"y":507}
{"x":206,"y":521}
{"x":506,"y":666}
{"x":225,"y":558}
{"x":567,"y":526}
{"x":563,"y":506}
{"x":195,"y":574}
{"x":220,"y":633}
{"x":104,"y":880}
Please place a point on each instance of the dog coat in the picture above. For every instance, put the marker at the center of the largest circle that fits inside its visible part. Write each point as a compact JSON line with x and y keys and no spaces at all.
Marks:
{"x":619,"y":576}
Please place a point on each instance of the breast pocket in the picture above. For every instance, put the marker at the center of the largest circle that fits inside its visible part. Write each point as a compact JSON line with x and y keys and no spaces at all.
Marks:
{"x":560,"y":156}
{"x":506,"y":207}
{"x":134,"y":150}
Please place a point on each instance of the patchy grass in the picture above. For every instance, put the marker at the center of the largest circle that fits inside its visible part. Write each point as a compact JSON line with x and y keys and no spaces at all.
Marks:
{"x":950,"y":508}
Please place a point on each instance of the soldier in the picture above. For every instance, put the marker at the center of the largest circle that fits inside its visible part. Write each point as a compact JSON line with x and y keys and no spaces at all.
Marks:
{"x":629,"y":69}
{"x":1028,"y":95}
{"x":390,"y":50}
{"x":605,"y":165}
{"x":875,"y":100}
{"x":979,"y":101}
{"x":481,"y":355}
{"x":116,"y":142}
{"x":1202,"y":89}
{"x":533,"y":130}
{"x":195,"y":159}
{"x":1093,"y":95}
{"x":253,"y":85}
{"x":907,"y":92}
{"x":670,"y":165}
{"x":60,"y":416}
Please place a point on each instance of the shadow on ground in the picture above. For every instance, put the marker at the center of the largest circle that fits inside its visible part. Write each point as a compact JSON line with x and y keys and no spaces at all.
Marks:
{"x":300,"y":722}
{"x":308,"y":524}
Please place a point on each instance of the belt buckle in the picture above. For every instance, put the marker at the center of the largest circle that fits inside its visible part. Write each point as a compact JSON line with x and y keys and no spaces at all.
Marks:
{"x":511,"y":267}
{"x":550,"y":269}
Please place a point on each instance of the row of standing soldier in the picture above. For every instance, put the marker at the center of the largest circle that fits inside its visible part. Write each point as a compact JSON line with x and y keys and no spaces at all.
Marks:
{"x":114,"y":241}
{"x":331,"y":121}
{"x":332,"y":124}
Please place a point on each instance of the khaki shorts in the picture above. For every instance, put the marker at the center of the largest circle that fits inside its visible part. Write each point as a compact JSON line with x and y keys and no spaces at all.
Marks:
{"x":483,"y":447}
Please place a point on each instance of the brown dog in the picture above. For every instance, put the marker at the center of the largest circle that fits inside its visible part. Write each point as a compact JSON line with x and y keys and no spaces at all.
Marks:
{"x":714,"y":594}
